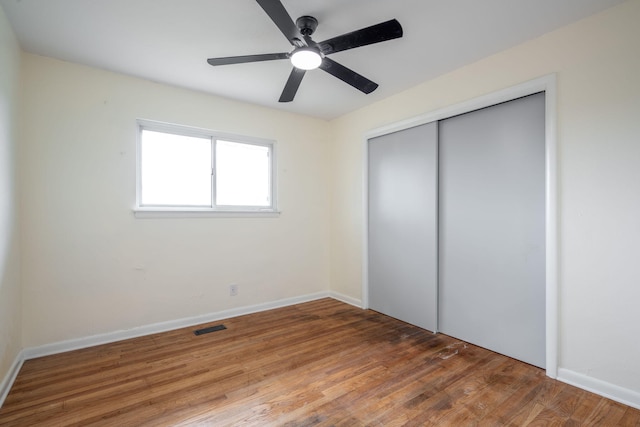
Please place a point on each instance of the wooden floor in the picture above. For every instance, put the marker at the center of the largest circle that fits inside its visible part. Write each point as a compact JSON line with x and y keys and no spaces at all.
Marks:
{"x":320,"y":363}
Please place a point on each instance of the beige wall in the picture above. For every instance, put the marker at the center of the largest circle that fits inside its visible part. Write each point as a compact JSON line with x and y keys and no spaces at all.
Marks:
{"x":10,"y":300}
{"x":597,"y":62}
{"x":91,"y":267}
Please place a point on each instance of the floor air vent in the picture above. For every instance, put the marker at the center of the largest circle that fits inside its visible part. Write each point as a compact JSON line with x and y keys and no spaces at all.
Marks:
{"x":209,"y":329}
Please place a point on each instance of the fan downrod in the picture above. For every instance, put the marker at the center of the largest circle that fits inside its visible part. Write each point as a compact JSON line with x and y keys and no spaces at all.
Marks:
{"x":307,"y":25}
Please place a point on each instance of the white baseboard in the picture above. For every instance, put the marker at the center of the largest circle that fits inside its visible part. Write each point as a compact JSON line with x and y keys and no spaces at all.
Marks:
{"x":345,"y":299}
{"x":109,"y":337}
{"x":610,"y":391}
{"x":10,"y":377}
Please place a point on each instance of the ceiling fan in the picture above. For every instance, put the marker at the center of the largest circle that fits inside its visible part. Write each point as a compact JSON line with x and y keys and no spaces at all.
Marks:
{"x":308,"y":54}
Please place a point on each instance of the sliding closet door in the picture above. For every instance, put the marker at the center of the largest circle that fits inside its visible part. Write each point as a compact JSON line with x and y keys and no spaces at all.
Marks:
{"x":403,"y":225}
{"x":492,"y":228}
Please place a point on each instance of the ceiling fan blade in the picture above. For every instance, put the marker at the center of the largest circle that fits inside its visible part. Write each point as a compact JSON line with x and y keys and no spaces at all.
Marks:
{"x":281,"y":18}
{"x":247,"y":58}
{"x":293,"y":83}
{"x":348,"y":76}
{"x":376,"y":33}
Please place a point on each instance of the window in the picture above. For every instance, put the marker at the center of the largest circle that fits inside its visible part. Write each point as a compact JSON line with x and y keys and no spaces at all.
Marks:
{"x":182,"y":169}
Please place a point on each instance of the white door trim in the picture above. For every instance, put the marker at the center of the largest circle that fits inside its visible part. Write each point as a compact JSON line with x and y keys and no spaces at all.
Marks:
{"x":545,"y":84}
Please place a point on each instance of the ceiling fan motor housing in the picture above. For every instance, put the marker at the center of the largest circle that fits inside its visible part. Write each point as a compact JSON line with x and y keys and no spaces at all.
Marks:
{"x":307,"y":25}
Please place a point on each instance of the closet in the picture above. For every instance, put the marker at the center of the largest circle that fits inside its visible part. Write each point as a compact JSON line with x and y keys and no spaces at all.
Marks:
{"x":456,"y":227}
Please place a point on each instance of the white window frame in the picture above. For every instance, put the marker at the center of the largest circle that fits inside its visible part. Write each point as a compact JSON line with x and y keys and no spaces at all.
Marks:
{"x":142,"y":211}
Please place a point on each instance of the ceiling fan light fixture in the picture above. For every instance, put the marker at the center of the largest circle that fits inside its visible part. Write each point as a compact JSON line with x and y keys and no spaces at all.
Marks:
{"x":306,"y":58}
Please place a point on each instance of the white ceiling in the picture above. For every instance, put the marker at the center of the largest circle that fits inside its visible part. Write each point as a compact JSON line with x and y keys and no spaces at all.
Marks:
{"x":169,"y":41}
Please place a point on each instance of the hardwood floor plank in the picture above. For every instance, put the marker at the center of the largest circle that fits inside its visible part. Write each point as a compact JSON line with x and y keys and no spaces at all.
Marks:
{"x":322,"y":363}
{"x":606,"y":412}
{"x":476,"y":394}
{"x":631,"y":418}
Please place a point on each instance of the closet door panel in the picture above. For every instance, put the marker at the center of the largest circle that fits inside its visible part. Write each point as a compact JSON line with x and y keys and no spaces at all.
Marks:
{"x":492,"y":228}
{"x":402,"y":233}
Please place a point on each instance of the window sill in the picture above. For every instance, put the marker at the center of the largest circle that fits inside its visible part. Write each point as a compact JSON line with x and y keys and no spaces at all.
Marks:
{"x":201,"y":213}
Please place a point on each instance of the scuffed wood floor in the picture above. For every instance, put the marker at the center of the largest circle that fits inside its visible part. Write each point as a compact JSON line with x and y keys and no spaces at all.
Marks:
{"x":319,"y":363}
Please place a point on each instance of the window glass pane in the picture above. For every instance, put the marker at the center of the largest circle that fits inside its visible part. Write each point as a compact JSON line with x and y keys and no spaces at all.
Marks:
{"x":175,"y":170}
{"x":243,"y":174}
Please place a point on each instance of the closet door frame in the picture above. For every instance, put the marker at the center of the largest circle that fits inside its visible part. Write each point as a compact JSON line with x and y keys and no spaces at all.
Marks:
{"x":546,"y":84}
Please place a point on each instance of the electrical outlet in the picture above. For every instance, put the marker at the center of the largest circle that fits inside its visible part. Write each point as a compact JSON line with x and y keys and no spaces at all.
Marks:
{"x":233,"y":290}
